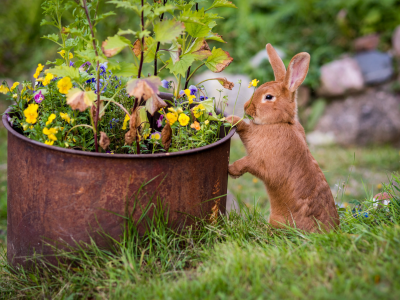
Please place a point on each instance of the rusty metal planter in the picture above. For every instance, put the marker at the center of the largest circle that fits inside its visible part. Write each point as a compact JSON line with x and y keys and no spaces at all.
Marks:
{"x":60,"y":194}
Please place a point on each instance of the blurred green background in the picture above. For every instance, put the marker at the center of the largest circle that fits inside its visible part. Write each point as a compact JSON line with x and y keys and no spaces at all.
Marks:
{"x":324,"y":28}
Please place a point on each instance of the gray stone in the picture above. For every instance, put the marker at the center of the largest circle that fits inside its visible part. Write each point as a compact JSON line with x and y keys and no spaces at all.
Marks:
{"x":318,"y":138}
{"x":369,"y":118}
{"x":340,"y":77}
{"x":376,"y":66}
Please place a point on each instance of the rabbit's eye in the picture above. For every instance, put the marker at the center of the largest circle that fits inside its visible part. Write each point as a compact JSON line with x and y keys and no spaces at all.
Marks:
{"x":269,"y":97}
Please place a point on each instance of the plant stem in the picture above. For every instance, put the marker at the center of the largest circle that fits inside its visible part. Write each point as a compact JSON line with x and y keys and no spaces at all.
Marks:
{"x":142,"y":43}
{"x":96,"y":120}
{"x":158,"y":45}
{"x":187,"y":78}
{"x":191,"y":75}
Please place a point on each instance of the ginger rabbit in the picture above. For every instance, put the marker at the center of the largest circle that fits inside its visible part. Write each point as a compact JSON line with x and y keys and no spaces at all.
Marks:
{"x":278,"y":154}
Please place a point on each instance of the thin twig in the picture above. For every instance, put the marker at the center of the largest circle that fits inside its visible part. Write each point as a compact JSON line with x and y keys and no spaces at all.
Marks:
{"x":158,"y":45}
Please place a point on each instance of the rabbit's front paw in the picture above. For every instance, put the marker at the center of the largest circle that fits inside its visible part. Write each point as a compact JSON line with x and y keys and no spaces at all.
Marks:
{"x":234,"y":120}
{"x":233,"y":172}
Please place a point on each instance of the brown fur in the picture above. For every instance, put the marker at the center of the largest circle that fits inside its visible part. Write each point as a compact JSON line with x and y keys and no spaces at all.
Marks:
{"x":278,"y":154}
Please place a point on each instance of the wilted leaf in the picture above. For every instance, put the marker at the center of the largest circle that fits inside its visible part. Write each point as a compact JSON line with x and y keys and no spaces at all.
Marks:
{"x":168,"y":30}
{"x":166,"y":136}
{"x":113,"y":45}
{"x":143,"y":88}
{"x":218,"y":60}
{"x":80,"y":100}
{"x":225,"y":83}
{"x":199,"y":49}
{"x":130,"y":137}
{"x":93,"y":110}
{"x":154,"y":103}
{"x":137,"y":47}
{"x":104,"y":140}
{"x":181,"y":66}
{"x":175,"y":51}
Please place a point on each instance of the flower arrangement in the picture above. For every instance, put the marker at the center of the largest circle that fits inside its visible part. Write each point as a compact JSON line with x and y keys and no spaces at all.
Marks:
{"x":89,"y":99}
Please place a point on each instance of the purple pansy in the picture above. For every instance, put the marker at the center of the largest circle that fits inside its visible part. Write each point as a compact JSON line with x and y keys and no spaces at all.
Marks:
{"x":71,"y":64}
{"x":165,"y":84}
{"x":181,"y":93}
{"x":103,"y":68}
{"x":39,"y":97}
{"x":202,"y":98}
{"x":193,"y":90}
{"x":159,"y":121}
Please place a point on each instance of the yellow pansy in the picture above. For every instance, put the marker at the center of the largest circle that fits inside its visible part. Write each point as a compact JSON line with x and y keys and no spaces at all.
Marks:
{"x":14,"y":86}
{"x":15,"y":96}
{"x":39,"y":69}
{"x":31,"y":113}
{"x":206,"y":122}
{"x":65,"y":117}
{"x":198,"y":110}
{"x":127,"y":118}
{"x":64,"y":85}
{"x":172,"y":117}
{"x":183,"y":119}
{"x":254,"y":82}
{"x":50,"y":119}
{"x":48,"y":142}
{"x":48,"y":79}
{"x":50,"y":133}
{"x":179,"y":110}
{"x":62,"y":53}
{"x":190,"y":97}
{"x":3,"y":89}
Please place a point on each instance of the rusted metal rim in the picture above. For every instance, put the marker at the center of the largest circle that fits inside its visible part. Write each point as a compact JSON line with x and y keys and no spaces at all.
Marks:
{"x":79,"y":152}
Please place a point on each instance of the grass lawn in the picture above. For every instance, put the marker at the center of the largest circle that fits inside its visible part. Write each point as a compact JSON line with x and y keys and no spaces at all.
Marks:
{"x":241,"y":257}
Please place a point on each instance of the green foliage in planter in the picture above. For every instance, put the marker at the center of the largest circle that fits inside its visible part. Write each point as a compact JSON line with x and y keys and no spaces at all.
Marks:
{"x":106,"y":90}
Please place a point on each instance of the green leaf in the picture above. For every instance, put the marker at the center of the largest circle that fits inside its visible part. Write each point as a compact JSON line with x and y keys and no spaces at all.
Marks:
{"x":126,"y":5}
{"x":168,"y":30}
{"x":76,"y":32}
{"x":201,"y":28}
{"x":115,"y":44}
{"x":126,"y":70}
{"x":128,"y":31}
{"x":84,"y":76}
{"x":52,"y":37}
{"x":181,"y":66}
{"x":70,"y":43}
{"x":103,"y":16}
{"x":86,"y":55}
{"x":208,"y":105}
{"x":150,"y":53}
{"x":218,"y":60}
{"x":163,"y":9}
{"x":215,"y":37}
{"x":222,"y":3}
{"x":64,"y":71}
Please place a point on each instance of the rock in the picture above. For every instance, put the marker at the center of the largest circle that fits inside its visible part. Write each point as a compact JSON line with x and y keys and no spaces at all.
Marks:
{"x":366,"y":43}
{"x":372,"y":117}
{"x":213,"y":86}
{"x":341,"y":76}
{"x":376,"y":66}
{"x":396,"y":41}
{"x":318,"y":138}
{"x":262,"y":55}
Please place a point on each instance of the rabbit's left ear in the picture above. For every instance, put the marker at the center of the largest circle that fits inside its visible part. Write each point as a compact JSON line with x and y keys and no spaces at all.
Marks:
{"x":297,"y":71}
{"x":276,"y":63}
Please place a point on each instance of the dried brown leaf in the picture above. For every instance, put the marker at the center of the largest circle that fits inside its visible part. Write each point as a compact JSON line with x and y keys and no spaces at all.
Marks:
{"x":225,"y":83}
{"x":154,"y":103}
{"x":143,"y":88}
{"x":130,"y":137}
{"x":137,"y":47}
{"x":104,"y":140}
{"x":166,"y":136}
{"x":79,"y":99}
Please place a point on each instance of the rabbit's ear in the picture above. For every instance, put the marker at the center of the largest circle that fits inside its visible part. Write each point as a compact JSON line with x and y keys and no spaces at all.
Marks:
{"x":276,"y":63}
{"x":297,"y":71}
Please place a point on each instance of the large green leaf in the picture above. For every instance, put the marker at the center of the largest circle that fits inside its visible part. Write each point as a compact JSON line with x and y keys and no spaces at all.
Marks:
{"x":168,"y":30}
{"x":52,"y":37}
{"x":200,"y":28}
{"x":113,"y":45}
{"x":126,"y":70}
{"x":64,"y":71}
{"x":215,"y":37}
{"x":87,"y":55}
{"x":199,"y":49}
{"x":218,"y":60}
{"x":222,"y":3}
{"x":181,"y":66}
